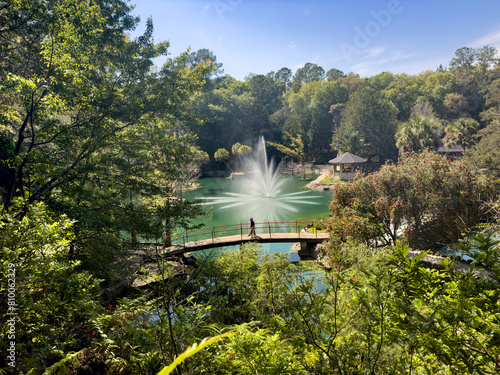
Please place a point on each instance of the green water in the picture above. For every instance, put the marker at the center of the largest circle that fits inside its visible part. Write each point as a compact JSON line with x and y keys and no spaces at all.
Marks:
{"x":315,"y":208}
{"x":312,"y":205}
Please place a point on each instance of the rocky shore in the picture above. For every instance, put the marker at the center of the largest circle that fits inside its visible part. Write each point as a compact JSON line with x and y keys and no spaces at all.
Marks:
{"x":318,"y":185}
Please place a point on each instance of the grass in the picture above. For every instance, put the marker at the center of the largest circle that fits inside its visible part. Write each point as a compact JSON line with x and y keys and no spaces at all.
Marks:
{"x":330,"y":180}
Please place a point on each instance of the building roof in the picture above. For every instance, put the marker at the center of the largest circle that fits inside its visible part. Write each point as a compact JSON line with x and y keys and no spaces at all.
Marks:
{"x":347,"y":158}
{"x":442,"y":149}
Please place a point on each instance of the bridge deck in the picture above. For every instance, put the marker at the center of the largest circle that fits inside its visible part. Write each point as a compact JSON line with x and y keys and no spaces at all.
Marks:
{"x":239,"y":239}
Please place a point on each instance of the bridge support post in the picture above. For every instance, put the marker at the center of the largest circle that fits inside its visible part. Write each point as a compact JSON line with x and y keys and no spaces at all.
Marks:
{"x":307,"y":250}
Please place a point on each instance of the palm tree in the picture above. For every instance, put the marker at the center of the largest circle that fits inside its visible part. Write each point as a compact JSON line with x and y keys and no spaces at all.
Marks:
{"x":352,"y":142}
{"x":418,"y":134}
{"x":460,"y":132}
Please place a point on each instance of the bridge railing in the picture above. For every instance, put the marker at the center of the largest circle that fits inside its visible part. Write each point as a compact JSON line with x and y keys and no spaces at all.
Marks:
{"x":242,"y":230}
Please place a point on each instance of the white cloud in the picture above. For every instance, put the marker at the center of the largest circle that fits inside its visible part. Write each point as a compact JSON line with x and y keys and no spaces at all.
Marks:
{"x":292,"y":45}
{"x":368,"y":68}
{"x":316,"y":59}
{"x":492,"y":39}
{"x":372,"y":52}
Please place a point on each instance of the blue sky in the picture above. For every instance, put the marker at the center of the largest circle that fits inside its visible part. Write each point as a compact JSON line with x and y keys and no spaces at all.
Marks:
{"x":364,"y":37}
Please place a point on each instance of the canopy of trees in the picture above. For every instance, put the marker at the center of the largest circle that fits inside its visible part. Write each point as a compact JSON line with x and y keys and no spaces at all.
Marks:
{"x":97,"y":146}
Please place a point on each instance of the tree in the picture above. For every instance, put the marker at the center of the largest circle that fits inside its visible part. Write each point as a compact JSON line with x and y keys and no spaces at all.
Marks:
{"x":419,"y":133}
{"x":492,"y":102}
{"x":308,"y":115}
{"x":352,"y":82}
{"x":241,"y":151}
{"x":460,"y":132}
{"x":222,"y":155}
{"x":404,"y":91}
{"x":487,"y":57}
{"x":294,"y":150}
{"x":52,"y":301}
{"x":374,"y":118}
{"x":204,"y":56}
{"x":350,"y":142}
{"x":284,"y":76}
{"x":423,"y":108}
{"x":91,"y":126}
{"x":436,"y":87}
{"x":336,"y":111}
{"x":467,"y":57}
{"x":308,"y":73}
{"x":464,"y":58}
{"x":334,"y":74}
{"x":228,"y":115}
{"x":266,"y":95}
{"x":484,"y":156}
{"x":381,"y":81}
{"x":437,"y":199}
{"x":455,"y":106}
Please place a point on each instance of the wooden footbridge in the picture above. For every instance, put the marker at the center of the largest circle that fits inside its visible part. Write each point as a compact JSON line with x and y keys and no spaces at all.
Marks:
{"x":229,"y":235}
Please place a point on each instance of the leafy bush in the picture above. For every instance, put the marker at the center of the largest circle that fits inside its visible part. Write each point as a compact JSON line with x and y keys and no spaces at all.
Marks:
{"x":54,"y":299}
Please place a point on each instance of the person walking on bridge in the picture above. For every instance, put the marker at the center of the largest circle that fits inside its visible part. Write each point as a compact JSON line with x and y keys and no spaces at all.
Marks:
{"x":252,"y":229}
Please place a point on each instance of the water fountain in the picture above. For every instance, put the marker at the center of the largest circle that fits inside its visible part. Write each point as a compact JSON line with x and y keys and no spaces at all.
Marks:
{"x":260,"y":191}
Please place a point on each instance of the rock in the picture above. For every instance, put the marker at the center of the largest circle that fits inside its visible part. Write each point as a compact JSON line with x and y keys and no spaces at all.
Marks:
{"x":188,"y":259}
{"x":294,"y":257}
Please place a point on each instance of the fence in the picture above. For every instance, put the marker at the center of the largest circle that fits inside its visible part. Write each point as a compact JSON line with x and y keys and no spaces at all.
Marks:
{"x":243,"y":230}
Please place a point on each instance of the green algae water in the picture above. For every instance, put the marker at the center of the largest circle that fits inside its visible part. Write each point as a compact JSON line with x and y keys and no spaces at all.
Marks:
{"x":225,"y":204}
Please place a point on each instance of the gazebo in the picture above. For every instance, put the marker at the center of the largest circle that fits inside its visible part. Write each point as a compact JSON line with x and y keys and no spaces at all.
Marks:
{"x":347,"y":165}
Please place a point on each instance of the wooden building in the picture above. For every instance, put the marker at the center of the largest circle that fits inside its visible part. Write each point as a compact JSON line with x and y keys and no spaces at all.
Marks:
{"x":347,"y":165}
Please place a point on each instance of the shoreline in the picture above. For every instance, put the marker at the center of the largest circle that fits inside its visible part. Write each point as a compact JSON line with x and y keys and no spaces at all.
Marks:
{"x":317,"y":185}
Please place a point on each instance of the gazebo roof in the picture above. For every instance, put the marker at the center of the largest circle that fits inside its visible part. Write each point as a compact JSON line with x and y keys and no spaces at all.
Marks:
{"x":347,"y":158}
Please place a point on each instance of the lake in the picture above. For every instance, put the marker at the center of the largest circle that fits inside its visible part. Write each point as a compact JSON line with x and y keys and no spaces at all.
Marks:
{"x":228,"y":202}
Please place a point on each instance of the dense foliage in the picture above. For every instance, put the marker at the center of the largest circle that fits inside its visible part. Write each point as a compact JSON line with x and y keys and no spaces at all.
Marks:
{"x":97,"y":146}
{"x":91,"y":128}
{"x":429,"y":197}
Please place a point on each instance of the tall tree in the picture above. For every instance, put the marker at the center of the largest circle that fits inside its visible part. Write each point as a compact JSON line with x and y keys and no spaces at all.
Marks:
{"x":464,"y":58}
{"x":309,"y":115}
{"x":284,"y":76}
{"x":491,"y":111}
{"x":436,"y":87}
{"x":487,"y":57}
{"x":375,"y":118}
{"x":266,"y":94}
{"x":90,"y":126}
{"x":204,"y":56}
{"x":308,"y":73}
{"x":334,"y":74}
{"x":404,"y":91}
